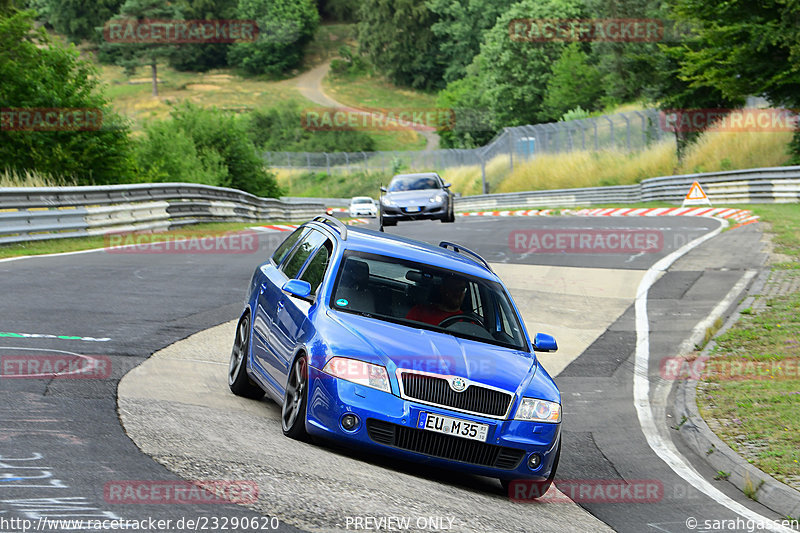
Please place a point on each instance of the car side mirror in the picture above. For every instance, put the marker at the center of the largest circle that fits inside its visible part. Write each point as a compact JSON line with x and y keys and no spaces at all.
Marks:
{"x":383,"y":189}
{"x":447,"y":185}
{"x":297,"y":287}
{"x":544,"y":343}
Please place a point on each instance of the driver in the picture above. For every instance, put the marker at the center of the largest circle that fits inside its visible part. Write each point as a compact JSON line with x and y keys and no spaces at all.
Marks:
{"x":450,"y":297}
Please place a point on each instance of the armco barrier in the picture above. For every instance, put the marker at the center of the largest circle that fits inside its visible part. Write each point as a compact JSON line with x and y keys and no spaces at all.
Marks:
{"x":37,"y":213}
{"x":760,"y":185}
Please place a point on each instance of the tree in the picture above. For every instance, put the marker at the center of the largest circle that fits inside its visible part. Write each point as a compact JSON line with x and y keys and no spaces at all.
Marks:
{"x":221,"y":140}
{"x":745,"y":48}
{"x":37,"y":73}
{"x":398,"y":39}
{"x":460,"y":28}
{"x":285,"y":28}
{"x":78,"y":19}
{"x":509,"y":77}
{"x":338,"y":10}
{"x":201,"y":57}
{"x":131,"y":55}
{"x":574,"y":83}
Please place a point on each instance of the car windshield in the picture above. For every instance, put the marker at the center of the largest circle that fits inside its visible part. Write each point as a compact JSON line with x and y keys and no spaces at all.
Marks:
{"x":413,"y":183}
{"x":422,"y":296}
{"x":362,"y":200}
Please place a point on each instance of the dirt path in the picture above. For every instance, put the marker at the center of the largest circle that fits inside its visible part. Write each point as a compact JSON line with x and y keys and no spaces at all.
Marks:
{"x":310,"y":85}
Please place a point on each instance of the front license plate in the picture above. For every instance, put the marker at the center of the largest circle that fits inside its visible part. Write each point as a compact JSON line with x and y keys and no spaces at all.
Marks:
{"x":412,"y":209}
{"x":453,"y":426}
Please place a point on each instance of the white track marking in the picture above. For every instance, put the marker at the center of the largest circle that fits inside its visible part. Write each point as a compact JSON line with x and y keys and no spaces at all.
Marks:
{"x":661,"y":445}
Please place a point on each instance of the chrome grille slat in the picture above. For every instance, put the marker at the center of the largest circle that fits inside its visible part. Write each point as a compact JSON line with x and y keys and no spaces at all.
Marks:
{"x":436,"y":390}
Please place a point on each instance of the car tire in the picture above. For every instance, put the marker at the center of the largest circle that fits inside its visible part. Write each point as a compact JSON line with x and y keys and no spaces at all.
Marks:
{"x":538,"y":489}
{"x":238,"y":380}
{"x":451,"y":216}
{"x":293,"y":409}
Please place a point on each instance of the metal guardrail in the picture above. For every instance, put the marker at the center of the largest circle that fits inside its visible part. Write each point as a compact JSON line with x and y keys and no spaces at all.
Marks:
{"x":38,"y":213}
{"x":759,"y":185}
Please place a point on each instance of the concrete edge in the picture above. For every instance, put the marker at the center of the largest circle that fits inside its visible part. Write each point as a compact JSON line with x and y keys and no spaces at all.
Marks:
{"x":777,"y":496}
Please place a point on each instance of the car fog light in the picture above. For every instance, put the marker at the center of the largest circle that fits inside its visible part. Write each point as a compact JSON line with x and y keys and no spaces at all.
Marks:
{"x":534,"y":461}
{"x":349,"y":422}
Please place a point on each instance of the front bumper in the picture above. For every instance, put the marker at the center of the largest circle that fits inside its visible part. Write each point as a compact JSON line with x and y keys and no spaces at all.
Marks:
{"x":417,"y":212}
{"x":363,"y":213}
{"x":387,"y":426}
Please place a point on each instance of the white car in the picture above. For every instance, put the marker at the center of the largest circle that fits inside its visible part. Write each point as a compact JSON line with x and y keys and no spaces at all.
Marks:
{"x":363,"y":206}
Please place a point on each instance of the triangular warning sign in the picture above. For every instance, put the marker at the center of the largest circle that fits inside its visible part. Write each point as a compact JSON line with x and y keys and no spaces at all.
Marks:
{"x":696,"y":196}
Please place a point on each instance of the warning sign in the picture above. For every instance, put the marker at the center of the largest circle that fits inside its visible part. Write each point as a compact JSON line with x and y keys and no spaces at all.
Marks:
{"x":696,"y":196}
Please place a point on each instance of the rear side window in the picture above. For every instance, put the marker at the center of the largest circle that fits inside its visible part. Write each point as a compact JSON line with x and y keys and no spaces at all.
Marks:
{"x":287,"y":245}
{"x":315,"y":271}
{"x":310,"y":242}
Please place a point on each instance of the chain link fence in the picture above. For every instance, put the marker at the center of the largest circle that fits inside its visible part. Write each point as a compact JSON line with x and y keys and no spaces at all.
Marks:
{"x":628,"y":131}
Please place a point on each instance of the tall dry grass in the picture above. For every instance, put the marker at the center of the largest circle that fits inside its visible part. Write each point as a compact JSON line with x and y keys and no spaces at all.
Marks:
{"x":717,"y":150}
{"x":30,"y":178}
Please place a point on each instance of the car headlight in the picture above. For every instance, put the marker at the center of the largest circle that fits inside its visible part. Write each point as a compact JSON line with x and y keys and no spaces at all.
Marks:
{"x":436,"y":199}
{"x":366,"y":374}
{"x":387,"y":201}
{"x":535,"y":410}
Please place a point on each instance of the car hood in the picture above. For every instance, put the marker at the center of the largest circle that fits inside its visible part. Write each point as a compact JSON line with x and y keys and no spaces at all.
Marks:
{"x":413,"y":197}
{"x":396,"y":346}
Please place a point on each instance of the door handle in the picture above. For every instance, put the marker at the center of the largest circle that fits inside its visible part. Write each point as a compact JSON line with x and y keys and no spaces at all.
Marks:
{"x":280,"y":305}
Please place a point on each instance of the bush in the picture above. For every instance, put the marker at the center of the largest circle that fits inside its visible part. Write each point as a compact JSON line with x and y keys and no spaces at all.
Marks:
{"x":286,"y":27}
{"x":205,"y":146}
{"x":280,"y":129}
{"x":169,"y":154}
{"x":36,"y":73}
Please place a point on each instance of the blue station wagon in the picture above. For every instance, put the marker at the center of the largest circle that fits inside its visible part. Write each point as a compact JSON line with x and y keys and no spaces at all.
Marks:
{"x":408,"y":349}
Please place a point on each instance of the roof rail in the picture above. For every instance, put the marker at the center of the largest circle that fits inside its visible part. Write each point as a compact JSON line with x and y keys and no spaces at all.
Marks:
{"x":469,"y":253}
{"x":333,"y":222}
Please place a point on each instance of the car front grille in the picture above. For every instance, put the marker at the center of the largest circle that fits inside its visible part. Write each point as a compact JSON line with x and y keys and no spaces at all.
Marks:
{"x":444,"y":446}
{"x":474,"y":399}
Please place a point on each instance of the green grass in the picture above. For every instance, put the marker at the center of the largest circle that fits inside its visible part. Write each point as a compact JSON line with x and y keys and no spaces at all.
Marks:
{"x":784,"y":221}
{"x":375,"y":92}
{"x":54,"y":246}
{"x":756,"y":399}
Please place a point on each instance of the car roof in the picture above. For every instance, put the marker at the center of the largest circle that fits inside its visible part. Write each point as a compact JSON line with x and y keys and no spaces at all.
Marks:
{"x":367,"y":240}
{"x":417,"y":175}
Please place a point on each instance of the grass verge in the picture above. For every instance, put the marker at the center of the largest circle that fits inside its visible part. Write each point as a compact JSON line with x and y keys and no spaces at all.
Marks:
{"x":753,"y":403}
{"x":54,"y":246}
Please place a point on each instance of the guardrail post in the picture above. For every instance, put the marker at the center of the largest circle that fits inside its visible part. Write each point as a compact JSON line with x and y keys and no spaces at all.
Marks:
{"x":327,"y":162}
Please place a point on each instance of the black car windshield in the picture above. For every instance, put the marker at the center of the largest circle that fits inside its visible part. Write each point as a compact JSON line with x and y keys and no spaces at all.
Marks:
{"x":413,"y":183}
{"x":362,"y":201}
{"x":419,"y":295}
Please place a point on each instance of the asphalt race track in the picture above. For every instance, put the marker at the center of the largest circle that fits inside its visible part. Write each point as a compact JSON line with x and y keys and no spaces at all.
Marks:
{"x":63,"y":447}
